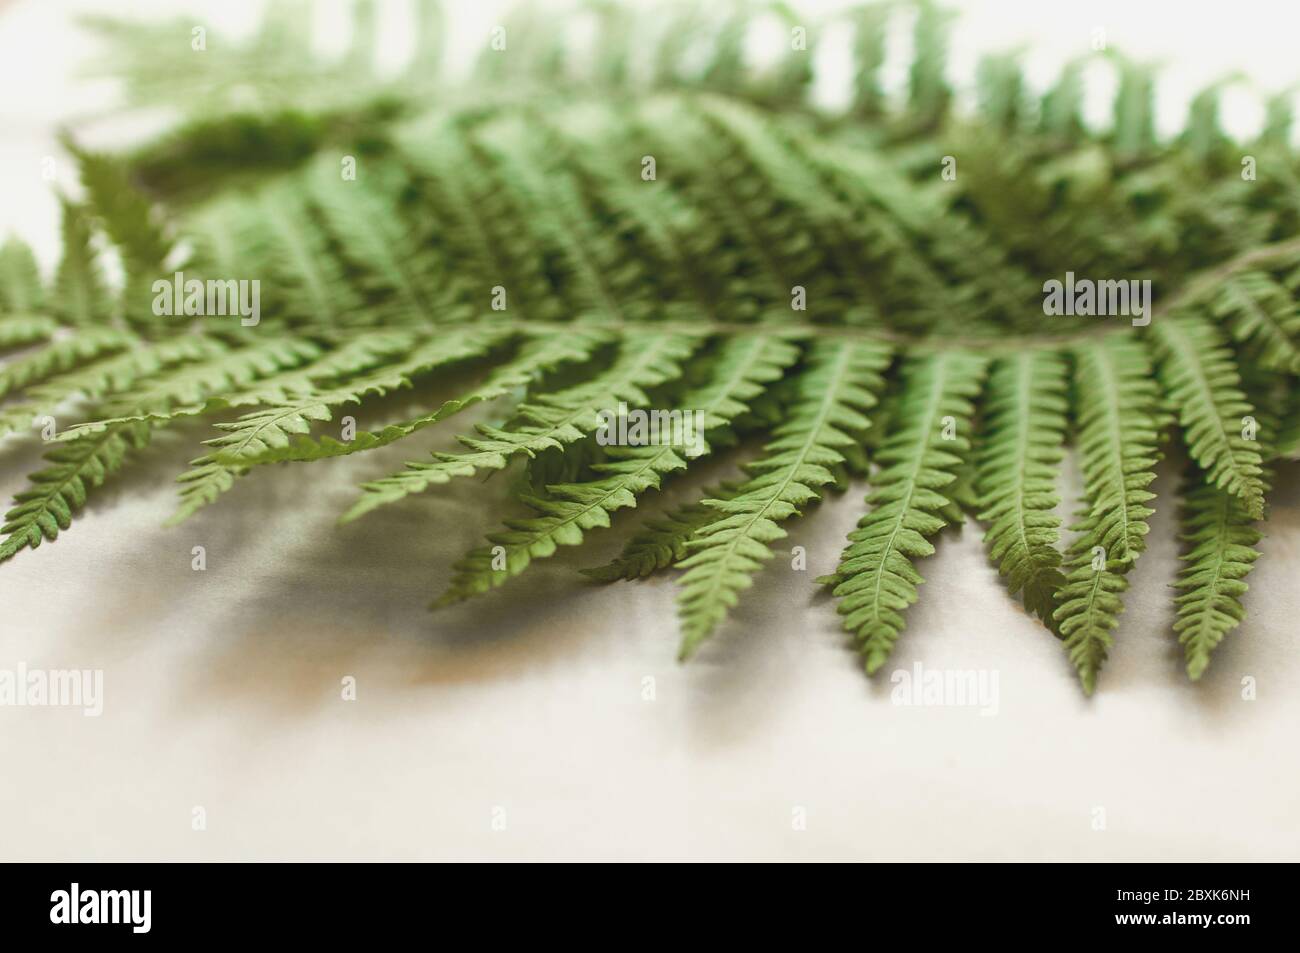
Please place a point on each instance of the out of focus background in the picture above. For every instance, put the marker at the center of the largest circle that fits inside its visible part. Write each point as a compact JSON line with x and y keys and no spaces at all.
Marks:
{"x":550,"y":721}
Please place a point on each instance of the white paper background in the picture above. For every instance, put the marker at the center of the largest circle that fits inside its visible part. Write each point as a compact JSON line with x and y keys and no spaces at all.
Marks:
{"x":222,"y":687}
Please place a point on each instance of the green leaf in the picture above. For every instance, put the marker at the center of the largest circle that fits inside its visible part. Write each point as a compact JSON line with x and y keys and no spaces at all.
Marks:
{"x":876,"y":580}
{"x":829,"y":401}
{"x":1200,"y":379}
{"x":1019,"y":459}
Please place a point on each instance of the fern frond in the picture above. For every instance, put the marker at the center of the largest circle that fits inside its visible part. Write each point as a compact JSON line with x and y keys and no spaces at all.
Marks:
{"x":79,"y":296}
{"x":568,"y":510}
{"x":1220,"y":539}
{"x":61,"y":355}
{"x":875,"y":580}
{"x":661,"y":217}
{"x":1116,"y":404}
{"x":60,"y":490}
{"x":1019,"y":459}
{"x":1256,"y":308}
{"x":133,"y":225}
{"x":661,"y":542}
{"x":548,"y":420}
{"x":22,"y":292}
{"x":1090,"y":604}
{"x":363,"y":215}
{"x":829,"y":403}
{"x":184,"y":391}
{"x":26,"y":329}
{"x":1117,"y":407}
{"x":535,"y":359}
{"x":1200,"y":378}
{"x":105,"y":377}
{"x":309,"y":279}
{"x":260,"y":432}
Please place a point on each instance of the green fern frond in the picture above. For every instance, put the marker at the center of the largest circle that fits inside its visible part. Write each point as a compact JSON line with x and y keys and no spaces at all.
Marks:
{"x":79,"y":295}
{"x":1200,"y":378}
{"x":1220,"y":538}
{"x":547,"y":421}
{"x":61,"y":355}
{"x":132,"y":224}
{"x":661,"y":219}
{"x":536,"y":358}
{"x":1117,"y":405}
{"x":1090,"y":603}
{"x":1019,"y":459}
{"x":22,"y":293}
{"x":568,"y":510}
{"x":1256,"y":308}
{"x":829,"y":403}
{"x":268,"y":429}
{"x":184,"y":391}
{"x":23,"y":329}
{"x":60,"y":490}
{"x":261,"y":432}
{"x":102,"y":378}
{"x":661,"y":542}
{"x":876,"y":580}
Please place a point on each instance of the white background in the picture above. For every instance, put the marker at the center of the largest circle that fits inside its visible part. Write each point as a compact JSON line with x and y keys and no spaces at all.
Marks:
{"x":222,"y":687}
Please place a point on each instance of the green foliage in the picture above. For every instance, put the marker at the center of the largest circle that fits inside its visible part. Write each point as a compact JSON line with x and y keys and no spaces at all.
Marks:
{"x":21,"y":292}
{"x":876,"y":579}
{"x":828,"y":403}
{"x":1201,"y":379}
{"x":1019,"y":461}
{"x":658,"y":222}
{"x":1116,"y":403}
{"x":60,"y":489}
{"x":567,"y":510}
{"x":1220,"y":538}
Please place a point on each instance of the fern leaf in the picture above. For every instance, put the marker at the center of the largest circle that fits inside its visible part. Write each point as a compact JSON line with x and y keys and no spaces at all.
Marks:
{"x":21,"y":289}
{"x":568,"y":510}
{"x":1256,"y":308}
{"x":1116,"y":404}
{"x":256,"y":434}
{"x":133,"y":226}
{"x":1090,"y":604}
{"x":296,"y":251}
{"x":1019,"y":460}
{"x":831,"y":397}
{"x":875,"y":580}
{"x":549,"y":420}
{"x":102,"y":378}
{"x":1220,"y":539}
{"x":61,"y":355}
{"x":662,"y":542}
{"x":79,"y":295}
{"x":184,"y":391}
{"x":928,"y":91}
{"x":26,"y":329}
{"x":536,"y":358}
{"x":1117,"y":407}
{"x":1200,"y":379}
{"x":60,"y":490}
{"x":363,"y":215}
{"x":261,"y":430}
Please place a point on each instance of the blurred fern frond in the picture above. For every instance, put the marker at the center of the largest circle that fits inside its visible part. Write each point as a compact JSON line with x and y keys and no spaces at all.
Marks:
{"x":656,"y":221}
